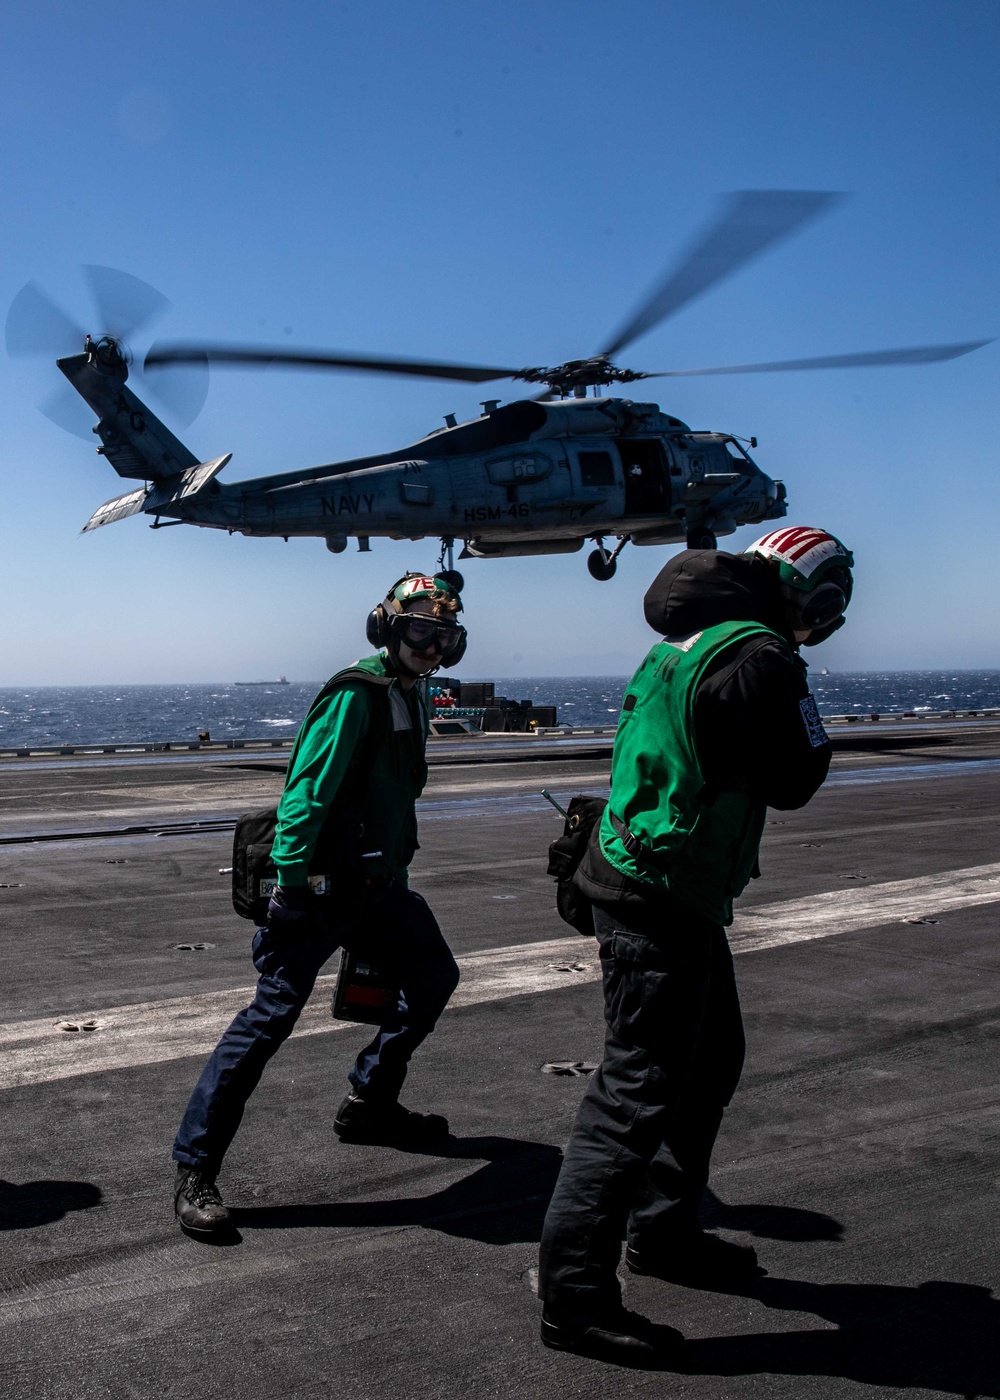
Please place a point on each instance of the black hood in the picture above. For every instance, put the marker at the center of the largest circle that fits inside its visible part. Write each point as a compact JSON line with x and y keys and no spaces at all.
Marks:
{"x":703,"y":587}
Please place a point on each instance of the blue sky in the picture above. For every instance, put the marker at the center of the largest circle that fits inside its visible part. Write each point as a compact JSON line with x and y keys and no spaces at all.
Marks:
{"x":501,"y":182}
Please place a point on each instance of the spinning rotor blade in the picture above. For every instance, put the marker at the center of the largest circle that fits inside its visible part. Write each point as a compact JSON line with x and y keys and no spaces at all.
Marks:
{"x":752,"y":221}
{"x":162,"y":355}
{"x":124,"y":303}
{"x":65,"y":408}
{"x":917,"y":355}
{"x":37,"y":326}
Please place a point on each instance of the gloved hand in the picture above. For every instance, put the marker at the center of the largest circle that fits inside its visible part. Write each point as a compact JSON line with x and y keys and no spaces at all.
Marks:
{"x":289,"y":906}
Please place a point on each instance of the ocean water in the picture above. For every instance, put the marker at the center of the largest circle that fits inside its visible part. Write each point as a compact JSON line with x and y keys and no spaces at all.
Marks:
{"x":146,"y":714}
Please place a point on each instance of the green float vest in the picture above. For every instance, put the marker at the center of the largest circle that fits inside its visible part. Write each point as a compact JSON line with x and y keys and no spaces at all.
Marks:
{"x":662,"y":826}
{"x":387,"y":775}
{"x":398,"y":773}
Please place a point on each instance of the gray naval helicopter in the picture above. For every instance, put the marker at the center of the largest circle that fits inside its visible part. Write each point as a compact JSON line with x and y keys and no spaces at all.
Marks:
{"x":534,"y":476}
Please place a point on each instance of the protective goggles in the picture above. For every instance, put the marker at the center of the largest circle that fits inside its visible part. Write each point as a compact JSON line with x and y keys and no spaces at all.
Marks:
{"x":429,"y":634}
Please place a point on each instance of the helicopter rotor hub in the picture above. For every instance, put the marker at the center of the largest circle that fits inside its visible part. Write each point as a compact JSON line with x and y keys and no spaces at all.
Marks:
{"x":579,"y":374}
{"x":108,"y":353}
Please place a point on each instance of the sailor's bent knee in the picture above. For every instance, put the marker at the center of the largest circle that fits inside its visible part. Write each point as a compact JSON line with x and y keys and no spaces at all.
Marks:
{"x":277,"y":1003}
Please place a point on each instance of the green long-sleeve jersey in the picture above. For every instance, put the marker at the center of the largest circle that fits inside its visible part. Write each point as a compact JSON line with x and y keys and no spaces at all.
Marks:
{"x":336,"y":741}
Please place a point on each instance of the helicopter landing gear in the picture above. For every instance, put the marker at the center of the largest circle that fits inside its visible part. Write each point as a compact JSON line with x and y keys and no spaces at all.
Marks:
{"x":450,"y":575}
{"x":701,"y":538}
{"x":602,"y":565}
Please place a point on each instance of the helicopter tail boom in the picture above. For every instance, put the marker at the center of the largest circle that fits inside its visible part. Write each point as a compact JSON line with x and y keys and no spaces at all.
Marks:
{"x":133,"y":439}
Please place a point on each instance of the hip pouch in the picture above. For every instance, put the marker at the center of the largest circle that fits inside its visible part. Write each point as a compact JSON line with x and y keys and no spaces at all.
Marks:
{"x":565,"y":854}
{"x":335,"y":869}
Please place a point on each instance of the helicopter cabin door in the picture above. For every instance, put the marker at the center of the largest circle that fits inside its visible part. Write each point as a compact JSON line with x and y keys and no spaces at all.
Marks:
{"x":647,"y":483}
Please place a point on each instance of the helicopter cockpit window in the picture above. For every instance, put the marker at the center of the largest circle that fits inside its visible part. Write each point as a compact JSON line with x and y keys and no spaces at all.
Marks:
{"x":596,"y":469}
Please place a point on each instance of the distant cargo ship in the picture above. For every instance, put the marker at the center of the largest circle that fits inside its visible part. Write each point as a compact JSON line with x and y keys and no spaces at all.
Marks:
{"x":279,"y":680}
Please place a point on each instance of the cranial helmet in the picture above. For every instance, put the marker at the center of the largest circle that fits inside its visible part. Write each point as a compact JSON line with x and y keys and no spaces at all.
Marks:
{"x":814,"y":574}
{"x":389,"y":623}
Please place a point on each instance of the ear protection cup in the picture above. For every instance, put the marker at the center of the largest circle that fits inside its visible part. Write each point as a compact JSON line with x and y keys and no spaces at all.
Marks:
{"x":821,"y":610}
{"x":823,"y":605}
{"x":375,"y":628}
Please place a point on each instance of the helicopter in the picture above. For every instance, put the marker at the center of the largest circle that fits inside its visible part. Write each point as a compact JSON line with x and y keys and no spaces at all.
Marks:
{"x":534,"y":476}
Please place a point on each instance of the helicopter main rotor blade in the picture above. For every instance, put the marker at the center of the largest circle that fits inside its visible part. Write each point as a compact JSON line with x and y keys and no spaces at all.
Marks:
{"x":170,"y":354}
{"x":752,"y":221}
{"x":917,"y":355}
{"x":181,"y":389}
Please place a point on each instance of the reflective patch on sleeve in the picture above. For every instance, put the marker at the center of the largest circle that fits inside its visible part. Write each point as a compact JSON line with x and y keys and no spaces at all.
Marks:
{"x":814,"y":725}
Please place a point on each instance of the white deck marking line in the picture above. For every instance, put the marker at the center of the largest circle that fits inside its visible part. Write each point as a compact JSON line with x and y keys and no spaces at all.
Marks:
{"x":865,"y":906}
{"x":154,"y":1032}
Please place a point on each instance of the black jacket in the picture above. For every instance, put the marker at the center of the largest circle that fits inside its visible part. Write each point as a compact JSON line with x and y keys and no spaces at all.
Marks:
{"x":755,"y":721}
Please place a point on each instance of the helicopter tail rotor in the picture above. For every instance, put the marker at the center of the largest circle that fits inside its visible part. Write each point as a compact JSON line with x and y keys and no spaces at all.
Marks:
{"x":38,"y":326}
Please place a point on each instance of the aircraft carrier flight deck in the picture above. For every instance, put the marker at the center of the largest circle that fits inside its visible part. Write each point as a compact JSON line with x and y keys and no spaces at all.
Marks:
{"x":860,"y":1156}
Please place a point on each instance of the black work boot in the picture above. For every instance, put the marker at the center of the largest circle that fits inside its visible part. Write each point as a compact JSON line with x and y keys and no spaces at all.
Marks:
{"x":621,"y":1336}
{"x":197,"y":1203}
{"x":387,"y":1125}
{"x":697,"y":1260}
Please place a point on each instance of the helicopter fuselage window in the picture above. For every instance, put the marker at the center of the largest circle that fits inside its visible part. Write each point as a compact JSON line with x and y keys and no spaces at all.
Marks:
{"x":596,"y":469}
{"x":646,"y":482}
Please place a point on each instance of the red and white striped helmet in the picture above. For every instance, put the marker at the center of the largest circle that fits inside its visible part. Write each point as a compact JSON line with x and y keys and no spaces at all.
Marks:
{"x":802,"y":555}
{"x":814,"y":573}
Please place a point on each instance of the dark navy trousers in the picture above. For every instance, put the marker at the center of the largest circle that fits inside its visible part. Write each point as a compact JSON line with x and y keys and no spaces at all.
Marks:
{"x":638,"y":1157}
{"x":400,"y":934}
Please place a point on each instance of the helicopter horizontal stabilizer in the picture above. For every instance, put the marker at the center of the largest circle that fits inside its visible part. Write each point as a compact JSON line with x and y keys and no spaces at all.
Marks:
{"x":160,"y":497}
{"x":118,"y":509}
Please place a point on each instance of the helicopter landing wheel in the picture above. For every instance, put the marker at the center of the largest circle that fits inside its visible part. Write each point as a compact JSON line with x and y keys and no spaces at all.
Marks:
{"x":601,"y":566}
{"x":701,"y":538}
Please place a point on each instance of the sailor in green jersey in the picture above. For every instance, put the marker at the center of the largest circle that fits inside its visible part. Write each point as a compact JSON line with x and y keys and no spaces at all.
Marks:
{"x":347,"y":810}
{"x":717,"y":724}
